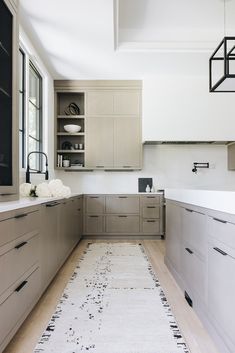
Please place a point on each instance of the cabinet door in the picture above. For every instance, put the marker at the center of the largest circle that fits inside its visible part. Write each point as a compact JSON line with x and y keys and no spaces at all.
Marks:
{"x":94,"y":204}
{"x":127,"y":142}
{"x":127,"y":103}
{"x":122,"y":224}
{"x":173,"y":235}
{"x":122,"y":204}
{"x":99,"y":103}
{"x":151,"y":211}
{"x":151,"y":226}
{"x":99,"y":142}
{"x":94,"y":224}
{"x":221,"y":288}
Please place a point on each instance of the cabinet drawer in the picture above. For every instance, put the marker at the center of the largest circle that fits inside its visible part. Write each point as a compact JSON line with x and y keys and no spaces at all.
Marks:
{"x":18,"y":301}
{"x":23,"y":222}
{"x":94,"y":224}
{"x":151,"y":226}
{"x":17,"y":260}
{"x":122,"y":204}
{"x":151,"y":211}
{"x":122,"y":224}
{"x":194,"y":230}
{"x":222,"y":231}
{"x":94,"y":204}
{"x":151,"y":199}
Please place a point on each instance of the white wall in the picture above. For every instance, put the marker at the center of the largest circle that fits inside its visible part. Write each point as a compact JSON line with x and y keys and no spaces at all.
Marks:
{"x":170,"y":166}
{"x":181,"y":108}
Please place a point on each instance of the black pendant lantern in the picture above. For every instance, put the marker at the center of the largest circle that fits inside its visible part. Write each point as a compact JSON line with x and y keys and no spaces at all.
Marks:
{"x":222,"y":67}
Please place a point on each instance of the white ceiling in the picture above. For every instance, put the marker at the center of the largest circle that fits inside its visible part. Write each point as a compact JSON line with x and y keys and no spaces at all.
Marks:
{"x":125,"y":39}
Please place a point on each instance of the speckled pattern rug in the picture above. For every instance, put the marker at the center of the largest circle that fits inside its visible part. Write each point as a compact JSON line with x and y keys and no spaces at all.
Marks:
{"x":113,"y":303}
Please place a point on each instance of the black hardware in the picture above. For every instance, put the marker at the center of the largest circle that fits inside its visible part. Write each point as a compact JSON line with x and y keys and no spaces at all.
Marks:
{"x":188,"y":299}
{"x":99,"y":166}
{"x":219,"y":220}
{"x":122,"y":216}
{"x":52,"y":204}
{"x":20,"y":245}
{"x":220,"y":251}
{"x":151,"y":207}
{"x":122,"y":197}
{"x":21,"y":286}
{"x":21,"y":215}
{"x":188,"y":210}
{"x":189,"y":250}
{"x":127,"y":166}
{"x":35,"y":171}
{"x":93,"y":216}
{"x":94,"y":197}
{"x":199,"y":165}
{"x":150,"y":197}
{"x":151,"y":221}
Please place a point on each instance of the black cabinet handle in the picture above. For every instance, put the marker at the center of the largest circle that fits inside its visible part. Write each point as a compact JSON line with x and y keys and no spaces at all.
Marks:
{"x":122,"y":216}
{"x":188,"y":210}
{"x":189,"y":250}
{"x":122,"y":197}
{"x":151,"y":221}
{"x":52,"y":204}
{"x":94,"y":197}
{"x":99,"y":166}
{"x":93,"y":216}
{"x":20,"y":245}
{"x":220,"y":251}
{"x":21,"y":216}
{"x":79,"y":209}
{"x":21,"y":286}
{"x":150,"y":197}
{"x":219,"y":220}
{"x":151,"y":206}
{"x":127,"y":166}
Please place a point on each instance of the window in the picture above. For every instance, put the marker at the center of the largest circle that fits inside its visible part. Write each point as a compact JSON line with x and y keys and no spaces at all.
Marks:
{"x":35,"y":115}
{"x":22,"y":108}
{"x":30,"y":111}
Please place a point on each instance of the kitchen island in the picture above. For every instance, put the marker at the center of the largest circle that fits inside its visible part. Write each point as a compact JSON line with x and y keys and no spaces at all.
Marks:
{"x":200,"y":253}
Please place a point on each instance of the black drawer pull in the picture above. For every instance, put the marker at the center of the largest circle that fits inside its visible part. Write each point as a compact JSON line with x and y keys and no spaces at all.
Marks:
{"x":150,"y":197}
{"x":122,"y":216}
{"x":189,"y":250}
{"x":188,"y":210}
{"x":79,"y":209}
{"x":94,"y":197}
{"x":21,"y":286}
{"x":20,"y":245}
{"x":151,"y":221}
{"x":220,"y":251}
{"x":122,"y":197}
{"x":99,"y":166}
{"x":219,"y":220}
{"x":21,"y":215}
{"x":151,"y":206}
{"x":52,"y":204}
{"x":127,"y":166}
{"x":93,"y":216}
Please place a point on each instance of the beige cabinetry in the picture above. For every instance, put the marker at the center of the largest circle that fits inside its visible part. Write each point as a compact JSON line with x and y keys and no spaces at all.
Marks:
{"x":200,"y":252}
{"x":231,"y":156}
{"x":99,"y":142}
{"x":110,"y":120}
{"x":123,"y":215}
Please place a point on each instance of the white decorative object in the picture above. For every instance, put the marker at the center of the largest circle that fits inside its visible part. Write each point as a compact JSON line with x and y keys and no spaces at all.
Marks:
{"x":72,"y":129}
{"x":25,"y":189}
{"x":57,"y":188}
{"x":66,"y":163}
{"x":113,"y":303}
{"x":147,"y":188}
{"x":152,"y":189}
{"x":43,"y":190}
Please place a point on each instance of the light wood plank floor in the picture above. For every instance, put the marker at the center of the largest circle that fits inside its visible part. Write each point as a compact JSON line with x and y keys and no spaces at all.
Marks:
{"x":194,"y":333}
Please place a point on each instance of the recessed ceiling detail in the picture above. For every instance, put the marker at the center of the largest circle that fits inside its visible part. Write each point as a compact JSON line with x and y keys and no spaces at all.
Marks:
{"x":168,"y":25}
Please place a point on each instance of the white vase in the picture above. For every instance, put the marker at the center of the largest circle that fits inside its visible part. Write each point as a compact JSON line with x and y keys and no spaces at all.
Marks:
{"x":147,"y":188}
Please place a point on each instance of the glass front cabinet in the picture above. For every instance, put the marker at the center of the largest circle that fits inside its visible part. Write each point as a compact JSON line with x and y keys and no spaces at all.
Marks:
{"x":9,"y":47}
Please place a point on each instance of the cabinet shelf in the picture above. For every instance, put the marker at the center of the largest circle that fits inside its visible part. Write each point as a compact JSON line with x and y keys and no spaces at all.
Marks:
{"x":68,"y":134}
{"x":67,"y":117}
{"x":70,"y":151}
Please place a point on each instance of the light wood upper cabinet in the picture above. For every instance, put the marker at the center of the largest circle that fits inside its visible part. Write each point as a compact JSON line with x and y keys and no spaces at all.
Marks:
{"x":99,"y":143}
{"x":126,"y":103}
{"x":99,"y":103}
{"x":127,"y":142}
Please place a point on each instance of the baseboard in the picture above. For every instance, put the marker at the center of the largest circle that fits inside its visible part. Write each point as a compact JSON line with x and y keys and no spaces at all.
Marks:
{"x":122,"y":237}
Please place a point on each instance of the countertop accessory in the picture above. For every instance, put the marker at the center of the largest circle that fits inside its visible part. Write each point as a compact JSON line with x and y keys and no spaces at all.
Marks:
{"x":72,"y":109}
{"x":199,"y":165}
{"x":72,"y":129}
{"x":148,"y":189}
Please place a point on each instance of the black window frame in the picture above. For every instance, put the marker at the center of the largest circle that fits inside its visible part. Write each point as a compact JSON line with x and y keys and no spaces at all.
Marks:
{"x":22,"y":128}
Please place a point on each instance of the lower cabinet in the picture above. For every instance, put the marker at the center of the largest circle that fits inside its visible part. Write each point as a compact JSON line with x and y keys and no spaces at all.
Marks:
{"x":200,"y":253}
{"x":122,"y":224}
{"x":94,"y":224}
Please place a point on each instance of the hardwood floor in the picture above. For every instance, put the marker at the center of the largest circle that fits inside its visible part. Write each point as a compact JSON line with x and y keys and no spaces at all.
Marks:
{"x":194,"y":333}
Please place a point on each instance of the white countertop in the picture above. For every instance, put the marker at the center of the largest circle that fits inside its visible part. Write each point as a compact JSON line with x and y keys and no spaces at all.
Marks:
{"x":27,"y":201}
{"x":223,"y":201}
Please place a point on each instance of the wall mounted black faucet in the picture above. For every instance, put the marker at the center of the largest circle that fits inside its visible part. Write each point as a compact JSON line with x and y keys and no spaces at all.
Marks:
{"x":35,"y":171}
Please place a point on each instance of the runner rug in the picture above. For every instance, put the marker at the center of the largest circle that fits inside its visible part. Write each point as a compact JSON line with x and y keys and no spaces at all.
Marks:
{"x":113,"y":303}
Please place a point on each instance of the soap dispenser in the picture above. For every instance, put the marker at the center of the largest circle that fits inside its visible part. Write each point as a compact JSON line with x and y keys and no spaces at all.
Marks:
{"x":147,"y":188}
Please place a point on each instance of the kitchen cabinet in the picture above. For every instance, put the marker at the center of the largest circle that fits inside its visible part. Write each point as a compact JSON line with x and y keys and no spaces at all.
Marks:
{"x":9,"y":126}
{"x":100,"y":103}
{"x":99,"y":142}
{"x":124,"y":214}
{"x":231,"y":156}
